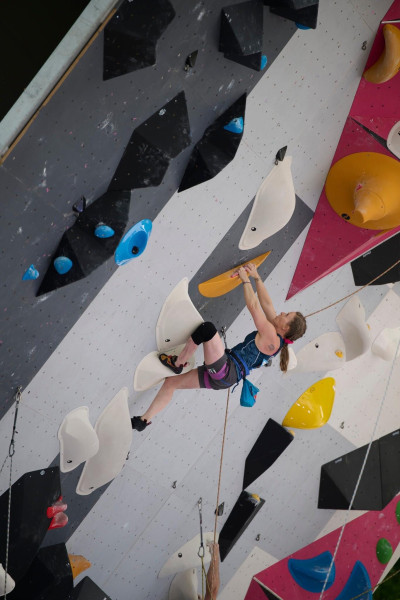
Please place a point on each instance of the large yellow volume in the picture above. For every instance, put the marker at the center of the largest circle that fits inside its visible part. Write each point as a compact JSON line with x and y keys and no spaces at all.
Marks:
{"x":314,"y":406}
{"x":388,"y":64}
{"x":222,"y":284}
{"x":364,"y":189}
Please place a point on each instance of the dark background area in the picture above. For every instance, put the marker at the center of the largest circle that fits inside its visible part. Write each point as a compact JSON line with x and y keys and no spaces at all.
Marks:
{"x":30,"y":31}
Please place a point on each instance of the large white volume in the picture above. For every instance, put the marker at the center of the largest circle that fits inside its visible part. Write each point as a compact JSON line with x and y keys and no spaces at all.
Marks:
{"x":78,"y":440}
{"x":273,"y":206}
{"x":186,"y":556}
{"x":184,"y":586}
{"x":10,"y":582}
{"x":114,"y":430}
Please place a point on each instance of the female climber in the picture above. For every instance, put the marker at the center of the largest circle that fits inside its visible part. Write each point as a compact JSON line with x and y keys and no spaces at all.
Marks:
{"x":221,"y":369}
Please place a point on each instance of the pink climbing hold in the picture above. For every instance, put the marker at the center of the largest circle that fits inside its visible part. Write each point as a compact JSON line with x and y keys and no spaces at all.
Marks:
{"x":59,"y":520}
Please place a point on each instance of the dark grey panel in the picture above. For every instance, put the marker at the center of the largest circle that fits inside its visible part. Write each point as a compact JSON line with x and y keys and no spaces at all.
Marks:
{"x":222,"y":311}
{"x":73,"y":148}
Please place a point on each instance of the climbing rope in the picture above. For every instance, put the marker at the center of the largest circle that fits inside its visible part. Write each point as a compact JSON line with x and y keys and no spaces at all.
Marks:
{"x":361,"y":471}
{"x":201,"y":552}
{"x":356,"y":292}
{"x":11,"y":452}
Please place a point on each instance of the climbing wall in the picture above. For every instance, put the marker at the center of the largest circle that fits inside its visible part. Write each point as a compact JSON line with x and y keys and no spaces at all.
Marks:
{"x":80,"y":344}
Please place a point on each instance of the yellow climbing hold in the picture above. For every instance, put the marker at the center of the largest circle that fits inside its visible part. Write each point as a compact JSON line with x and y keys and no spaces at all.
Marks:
{"x":314,"y":406}
{"x":388,"y":64}
{"x":224,"y":283}
{"x":78,"y":564}
{"x":256,"y":497}
{"x":339,"y":353}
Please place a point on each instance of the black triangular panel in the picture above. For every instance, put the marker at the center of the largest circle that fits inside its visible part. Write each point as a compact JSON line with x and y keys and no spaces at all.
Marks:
{"x":343,"y":474}
{"x":31,"y":495}
{"x":268,"y":593}
{"x":270,"y":444}
{"x":88,"y":590}
{"x":376,"y":261}
{"x":152,"y":146}
{"x":389,"y":451}
{"x":48,"y":578}
{"x":240,"y":517}
{"x":217,"y":148}
{"x":242,"y":28}
{"x":86,"y":251}
{"x":253,"y":61}
{"x":130,"y":38}
{"x":307,"y":16}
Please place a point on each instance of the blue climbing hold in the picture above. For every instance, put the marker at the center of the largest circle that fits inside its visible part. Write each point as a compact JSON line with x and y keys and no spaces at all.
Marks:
{"x":310,"y":574}
{"x":235,"y":126}
{"x":301,"y":26}
{"x":358,"y":584}
{"x":103,"y":231}
{"x":62,"y":264}
{"x":264,"y":61}
{"x":30,"y":273}
{"x":134,"y":242}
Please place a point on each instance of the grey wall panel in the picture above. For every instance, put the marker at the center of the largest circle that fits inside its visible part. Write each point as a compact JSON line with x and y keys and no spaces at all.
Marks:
{"x":72,"y":149}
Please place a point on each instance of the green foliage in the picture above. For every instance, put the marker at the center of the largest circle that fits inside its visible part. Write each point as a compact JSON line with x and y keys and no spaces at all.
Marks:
{"x":390,"y":587}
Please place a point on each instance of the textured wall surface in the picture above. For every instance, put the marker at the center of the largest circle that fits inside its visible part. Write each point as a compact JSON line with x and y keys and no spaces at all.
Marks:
{"x":79,"y":345}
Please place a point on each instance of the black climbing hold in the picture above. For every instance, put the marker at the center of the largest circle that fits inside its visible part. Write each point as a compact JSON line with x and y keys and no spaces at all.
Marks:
{"x":376,"y":261}
{"x":215,"y":150}
{"x":152,"y":146}
{"x":180,"y":554}
{"x":345,"y":217}
{"x":306,"y":15}
{"x":191,"y":60}
{"x":31,"y":494}
{"x":135,"y":249}
{"x":241,"y":33}
{"x":88,"y":590}
{"x":270,"y":444}
{"x":254,"y":228}
{"x":86,"y":251}
{"x":240,"y":517}
{"x":48,"y":578}
{"x":131,"y":36}
{"x":80,"y":205}
{"x":280,"y":155}
{"x":379,"y":483}
{"x":220,"y":510}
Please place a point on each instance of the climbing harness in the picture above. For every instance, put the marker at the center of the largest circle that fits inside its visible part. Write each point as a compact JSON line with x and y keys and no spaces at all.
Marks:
{"x":361,"y":472}
{"x":11,"y":452}
{"x":356,"y":292}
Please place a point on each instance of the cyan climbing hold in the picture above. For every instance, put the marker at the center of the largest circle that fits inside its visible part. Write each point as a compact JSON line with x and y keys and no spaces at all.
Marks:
{"x":30,"y":273}
{"x":358,"y":584}
{"x":62,"y":264}
{"x":235,"y":126}
{"x":384,"y":550}
{"x":264,"y":61}
{"x":310,"y":574}
{"x":300,"y":26}
{"x":134,"y":242}
{"x":103,"y":231}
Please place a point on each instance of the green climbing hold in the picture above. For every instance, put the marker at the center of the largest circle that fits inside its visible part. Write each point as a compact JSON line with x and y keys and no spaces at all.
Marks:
{"x":398,"y":512}
{"x":384,"y":551}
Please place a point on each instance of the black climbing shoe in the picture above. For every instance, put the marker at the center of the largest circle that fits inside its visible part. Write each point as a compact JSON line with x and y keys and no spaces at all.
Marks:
{"x":169,"y":361}
{"x":139,"y":424}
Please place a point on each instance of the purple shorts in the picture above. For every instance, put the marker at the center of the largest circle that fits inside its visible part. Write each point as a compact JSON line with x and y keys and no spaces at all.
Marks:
{"x":220,"y":375}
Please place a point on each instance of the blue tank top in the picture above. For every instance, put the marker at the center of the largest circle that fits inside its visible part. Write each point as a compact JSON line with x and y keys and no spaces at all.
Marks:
{"x":248,"y":352}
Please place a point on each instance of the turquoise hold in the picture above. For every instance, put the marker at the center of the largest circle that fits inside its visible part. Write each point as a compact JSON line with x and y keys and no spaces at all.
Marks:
{"x":62,"y":264}
{"x":310,"y":574}
{"x":30,"y":273}
{"x":300,"y":26}
{"x":264,"y":61}
{"x":235,"y":126}
{"x":103,"y":231}
{"x":134,"y":242}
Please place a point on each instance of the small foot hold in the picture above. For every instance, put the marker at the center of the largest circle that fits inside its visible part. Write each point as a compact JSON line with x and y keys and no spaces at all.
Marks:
{"x":169,"y":361}
{"x":139,"y":424}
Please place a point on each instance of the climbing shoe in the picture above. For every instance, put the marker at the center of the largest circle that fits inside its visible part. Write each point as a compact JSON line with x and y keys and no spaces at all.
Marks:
{"x":139,"y":424}
{"x":169,"y":361}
